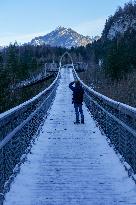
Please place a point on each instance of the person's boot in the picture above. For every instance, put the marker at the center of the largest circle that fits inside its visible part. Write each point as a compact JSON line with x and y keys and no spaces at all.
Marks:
{"x":77,"y":122}
{"x":82,"y":121}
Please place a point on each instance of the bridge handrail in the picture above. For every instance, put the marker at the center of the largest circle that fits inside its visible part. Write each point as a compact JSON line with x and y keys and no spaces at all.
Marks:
{"x":19,"y":127}
{"x":13,"y":113}
{"x":117,"y":120}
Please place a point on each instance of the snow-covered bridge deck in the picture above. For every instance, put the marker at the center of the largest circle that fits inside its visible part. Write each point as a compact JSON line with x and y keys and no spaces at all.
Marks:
{"x":71,"y":164}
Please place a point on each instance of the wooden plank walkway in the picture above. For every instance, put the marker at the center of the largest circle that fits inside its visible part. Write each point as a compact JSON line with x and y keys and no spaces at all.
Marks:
{"x":71,"y":164}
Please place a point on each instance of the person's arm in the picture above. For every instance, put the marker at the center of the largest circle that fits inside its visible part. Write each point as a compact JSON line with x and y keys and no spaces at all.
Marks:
{"x":71,"y":85}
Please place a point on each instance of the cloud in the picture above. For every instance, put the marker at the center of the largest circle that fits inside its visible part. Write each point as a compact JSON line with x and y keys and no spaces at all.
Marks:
{"x":7,"y":38}
{"x":91,"y":28}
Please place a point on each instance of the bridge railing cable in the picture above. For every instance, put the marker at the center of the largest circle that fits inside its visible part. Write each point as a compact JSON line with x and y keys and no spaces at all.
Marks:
{"x":117,"y":120}
{"x":19,"y":125}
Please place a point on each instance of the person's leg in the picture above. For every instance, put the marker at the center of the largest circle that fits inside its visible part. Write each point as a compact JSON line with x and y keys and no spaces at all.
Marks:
{"x":81,"y":112}
{"x":76,"y":112}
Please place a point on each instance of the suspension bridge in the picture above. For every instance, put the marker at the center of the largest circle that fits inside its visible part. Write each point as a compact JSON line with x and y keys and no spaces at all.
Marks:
{"x":45,"y":159}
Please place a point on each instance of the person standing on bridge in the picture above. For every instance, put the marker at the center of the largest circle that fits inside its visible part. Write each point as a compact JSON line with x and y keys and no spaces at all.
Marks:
{"x":77,"y":100}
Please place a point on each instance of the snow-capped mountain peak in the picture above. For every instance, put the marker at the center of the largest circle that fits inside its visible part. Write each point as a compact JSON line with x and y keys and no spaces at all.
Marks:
{"x":62,"y":37}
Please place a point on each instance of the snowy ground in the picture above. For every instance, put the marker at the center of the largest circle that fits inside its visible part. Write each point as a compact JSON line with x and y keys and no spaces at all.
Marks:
{"x":71,"y":164}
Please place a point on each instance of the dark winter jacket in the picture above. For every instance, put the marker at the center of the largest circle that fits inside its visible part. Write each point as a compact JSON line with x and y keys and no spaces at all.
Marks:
{"x":78,"y":93}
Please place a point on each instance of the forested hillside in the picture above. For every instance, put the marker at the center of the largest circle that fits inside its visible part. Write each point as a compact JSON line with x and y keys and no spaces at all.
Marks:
{"x":115,"y":53}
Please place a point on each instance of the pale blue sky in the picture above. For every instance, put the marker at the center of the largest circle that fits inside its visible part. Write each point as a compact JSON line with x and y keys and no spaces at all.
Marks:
{"x":22,"y":20}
